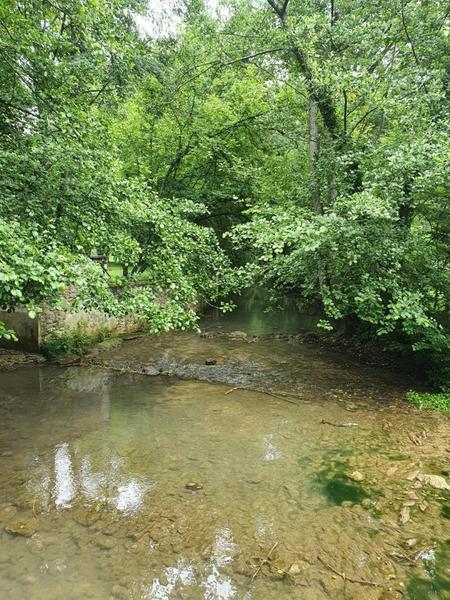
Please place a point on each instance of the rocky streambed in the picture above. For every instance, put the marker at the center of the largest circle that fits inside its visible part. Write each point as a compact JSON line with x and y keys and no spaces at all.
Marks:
{"x":223,"y":465}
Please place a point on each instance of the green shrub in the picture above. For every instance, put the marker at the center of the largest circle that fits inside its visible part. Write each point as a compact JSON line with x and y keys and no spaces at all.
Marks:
{"x":73,"y":343}
{"x":429,"y":401}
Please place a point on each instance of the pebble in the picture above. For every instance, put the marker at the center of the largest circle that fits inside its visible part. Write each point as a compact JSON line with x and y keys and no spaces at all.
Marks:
{"x":193,"y":486}
{"x":356,"y":476}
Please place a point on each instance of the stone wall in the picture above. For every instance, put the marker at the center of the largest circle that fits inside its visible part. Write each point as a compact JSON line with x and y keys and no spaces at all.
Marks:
{"x":27,"y":330}
{"x":33,"y":333}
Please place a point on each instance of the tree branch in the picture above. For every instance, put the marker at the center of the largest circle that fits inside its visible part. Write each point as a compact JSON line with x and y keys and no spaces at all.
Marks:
{"x":408,"y":36}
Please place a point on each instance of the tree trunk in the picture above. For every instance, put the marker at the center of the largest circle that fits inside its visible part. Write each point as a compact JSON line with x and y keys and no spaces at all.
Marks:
{"x":313,"y":150}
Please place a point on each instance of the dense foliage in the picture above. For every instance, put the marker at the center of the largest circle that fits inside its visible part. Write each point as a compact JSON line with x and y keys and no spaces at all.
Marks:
{"x":303,"y":144}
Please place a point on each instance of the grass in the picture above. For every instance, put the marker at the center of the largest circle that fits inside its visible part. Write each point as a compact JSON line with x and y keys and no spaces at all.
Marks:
{"x":73,"y":343}
{"x":425,"y":401}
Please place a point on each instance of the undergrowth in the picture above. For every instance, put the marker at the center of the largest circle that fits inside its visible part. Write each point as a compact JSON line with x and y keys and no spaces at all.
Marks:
{"x":429,"y":401}
{"x":73,"y":343}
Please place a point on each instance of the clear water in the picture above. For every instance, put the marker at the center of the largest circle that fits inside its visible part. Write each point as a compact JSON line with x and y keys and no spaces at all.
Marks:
{"x":130,"y":486}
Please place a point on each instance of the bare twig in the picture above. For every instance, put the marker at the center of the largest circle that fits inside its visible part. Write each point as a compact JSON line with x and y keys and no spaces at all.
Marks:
{"x":350,"y":579}
{"x":264,"y":561}
{"x":323,"y":422}
{"x":251,"y":389}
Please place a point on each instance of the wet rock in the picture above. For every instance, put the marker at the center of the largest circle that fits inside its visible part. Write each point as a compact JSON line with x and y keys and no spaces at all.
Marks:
{"x":68,"y":359}
{"x":238,"y":335}
{"x":356,"y":476}
{"x":435,"y":481}
{"x":151,"y":371}
{"x":193,"y":486}
{"x":296,"y":569}
{"x":404,"y":515}
{"x":412,"y":476}
{"x":22,"y":527}
{"x":86,"y":517}
{"x":210,"y":361}
{"x":105,"y":542}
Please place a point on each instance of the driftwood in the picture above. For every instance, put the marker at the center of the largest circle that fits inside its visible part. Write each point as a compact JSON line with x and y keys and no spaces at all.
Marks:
{"x":346,"y":578}
{"x":264,"y":561}
{"x":323,"y":422}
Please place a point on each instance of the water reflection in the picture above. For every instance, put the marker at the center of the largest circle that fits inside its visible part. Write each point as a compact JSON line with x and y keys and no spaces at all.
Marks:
{"x":130,"y":497}
{"x":124,"y":492}
{"x":182,"y":574}
{"x":64,"y":490}
{"x":270,"y":450}
{"x":218,"y":586}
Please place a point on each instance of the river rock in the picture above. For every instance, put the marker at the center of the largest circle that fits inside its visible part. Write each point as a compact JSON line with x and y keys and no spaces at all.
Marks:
{"x":210,"y":361}
{"x":435,"y":481}
{"x":105,"y":542}
{"x":193,"y":486}
{"x":68,"y":359}
{"x":238,"y":335}
{"x":404,"y":515}
{"x":22,"y":527}
{"x":150,"y":370}
{"x":86,"y":517}
{"x":296,"y":568}
{"x":356,"y":476}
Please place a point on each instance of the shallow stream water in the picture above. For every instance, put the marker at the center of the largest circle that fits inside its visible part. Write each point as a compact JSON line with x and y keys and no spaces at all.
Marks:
{"x":192,"y":485}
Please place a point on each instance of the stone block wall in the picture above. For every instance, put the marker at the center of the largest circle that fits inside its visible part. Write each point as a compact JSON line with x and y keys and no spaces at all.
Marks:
{"x":33,"y":333}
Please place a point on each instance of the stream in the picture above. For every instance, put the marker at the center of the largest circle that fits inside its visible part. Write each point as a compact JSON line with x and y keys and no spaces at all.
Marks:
{"x":239,"y":463}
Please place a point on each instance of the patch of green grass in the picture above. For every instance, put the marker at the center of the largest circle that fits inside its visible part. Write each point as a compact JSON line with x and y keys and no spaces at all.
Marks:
{"x":73,"y":343}
{"x":429,"y":401}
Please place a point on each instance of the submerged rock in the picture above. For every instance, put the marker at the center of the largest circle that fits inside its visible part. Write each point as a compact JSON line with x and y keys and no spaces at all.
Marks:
{"x":105,"y":542}
{"x":151,"y":370}
{"x":238,"y":335}
{"x":296,"y":568}
{"x":356,"y":476}
{"x":404,"y":515}
{"x":86,"y":517}
{"x":22,"y":527}
{"x":193,"y":486}
{"x":435,"y":481}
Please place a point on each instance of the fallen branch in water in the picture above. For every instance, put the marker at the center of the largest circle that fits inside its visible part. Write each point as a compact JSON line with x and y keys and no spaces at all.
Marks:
{"x":323,"y":422}
{"x":264,"y":561}
{"x":279,"y":395}
{"x":350,"y":579}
